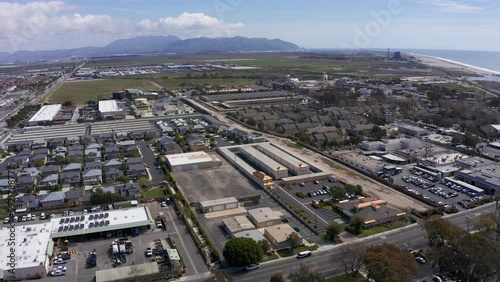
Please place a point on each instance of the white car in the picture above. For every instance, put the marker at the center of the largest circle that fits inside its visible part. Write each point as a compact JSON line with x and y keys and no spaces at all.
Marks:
{"x":28,"y":217}
{"x":33,"y":217}
{"x":163,"y":204}
{"x":23,"y":218}
{"x":252,"y":266}
{"x":6,"y":220}
{"x":159,"y":224}
{"x":42,"y":216}
{"x":62,"y":268}
{"x":149,"y":252}
{"x":58,"y":272}
{"x":304,"y":254}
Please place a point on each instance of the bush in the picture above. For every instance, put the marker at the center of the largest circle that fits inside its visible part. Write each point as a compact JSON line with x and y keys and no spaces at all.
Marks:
{"x":300,"y":194}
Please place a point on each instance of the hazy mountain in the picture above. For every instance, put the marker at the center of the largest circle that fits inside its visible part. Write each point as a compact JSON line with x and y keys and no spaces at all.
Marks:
{"x":156,"y":44}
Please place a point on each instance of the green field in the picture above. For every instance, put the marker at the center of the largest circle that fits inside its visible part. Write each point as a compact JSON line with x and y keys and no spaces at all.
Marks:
{"x":383,"y":228}
{"x":81,"y":91}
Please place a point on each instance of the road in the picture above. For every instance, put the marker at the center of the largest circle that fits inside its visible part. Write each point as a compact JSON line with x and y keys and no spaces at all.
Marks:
{"x":149,"y":158}
{"x":324,"y":260}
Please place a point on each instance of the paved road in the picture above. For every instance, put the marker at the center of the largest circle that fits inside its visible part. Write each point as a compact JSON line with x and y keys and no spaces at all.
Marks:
{"x":149,"y":158}
{"x":324,"y":260}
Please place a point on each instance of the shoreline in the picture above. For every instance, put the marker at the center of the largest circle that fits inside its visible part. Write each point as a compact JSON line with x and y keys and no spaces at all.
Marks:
{"x":453,"y":65}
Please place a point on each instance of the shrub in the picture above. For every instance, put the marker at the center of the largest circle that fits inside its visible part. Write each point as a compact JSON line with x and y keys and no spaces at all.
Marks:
{"x":300,"y":194}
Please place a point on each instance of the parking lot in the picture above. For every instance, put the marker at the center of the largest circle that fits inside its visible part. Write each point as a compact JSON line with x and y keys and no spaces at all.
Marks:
{"x":318,"y":191}
{"x":446,"y":195}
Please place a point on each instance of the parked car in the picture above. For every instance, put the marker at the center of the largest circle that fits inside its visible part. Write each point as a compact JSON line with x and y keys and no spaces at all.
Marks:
{"x":420,"y":260}
{"x":284,"y":219}
{"x":33,"y":217}
{"x":42,"y":216}
{"x":58,"y":272}
{"x":296,"y":229}
{"x":316,"y":181}
{"x":149,"y":252}
{"x":23,"y":218}
{"x":304,"y":254}
{"x":252,"y":266}
{"x":28,"y":217}
{"x":163,"y":204}
{"x":6,"y":220}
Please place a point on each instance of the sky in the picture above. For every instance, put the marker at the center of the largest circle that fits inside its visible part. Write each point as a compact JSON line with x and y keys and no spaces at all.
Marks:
{"x":409,"y":24}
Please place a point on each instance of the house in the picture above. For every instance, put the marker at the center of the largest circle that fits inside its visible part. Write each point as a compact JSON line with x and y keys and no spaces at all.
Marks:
{"x":113,"y":163}
{"x":72,"y":140}
{"x":49,"y":181}
{"x":25,"y":183}
{"x":38,"y":143}
{"x":131,"y":161}
{"x":94,"y":154}
{"x":372,"y":211}
{"x":18,"y":162}
{"x":52,"y":200}
{"x":137,"y":135}
{"x":74,"y":196}
{"x":112,"y":174}
{"x":264,"y":217}
{"x":88,"y":139}
{"x":55,"y":142}
{"x":60,"y":149}
{"x":30,"y":171}
{"x":129,"y":149}
{"x":72,"y":167}
{"x":277,"y":235}
{"x":105,"y":189}
{"x":167,"y":145}
{"x":94,"y":146}
{"x":41,"y":151}
{"x":5,"y":186}
{"x":21,"y":145}
{"x":236,"y":224}
{"x":112,"y":152}
{"x":136,"y":170}
{"x":50,"y":169}
{"x":106,"y":137}
{"x":92,"y":177}
{"x":75,"y":154}
{"x":25,"y":152}
{"x":130,"y":190}
{"x":85,"y":197}
{"x":70,"y":178}
{"x":38,"y":159}
{"x":13,"y":173}
{"x":196,"y":142}
{"x":92,"y":165}
{"x":27,"y":203}
{"x":150,"y":134}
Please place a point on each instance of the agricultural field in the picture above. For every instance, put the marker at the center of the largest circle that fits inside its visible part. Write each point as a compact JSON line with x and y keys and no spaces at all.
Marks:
{"x":81,"y":91}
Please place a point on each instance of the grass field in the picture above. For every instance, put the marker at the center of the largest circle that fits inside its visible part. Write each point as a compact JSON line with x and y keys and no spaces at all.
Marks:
{"x":383,"y":228}
{"x":153,"y":193}
{"x":81,"y":91}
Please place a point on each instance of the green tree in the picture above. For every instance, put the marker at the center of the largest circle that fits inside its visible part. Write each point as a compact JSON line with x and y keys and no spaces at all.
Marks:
{"x":337,"y":192}
{"x":294,"y":240}
{"x":98,"y":197}
{"x":304,"y":274}
{"x":352,"y":257}
{"x":39,"y":163}
{"x":144,"y":181}
{"x":264,"y":244}
{"x":332,"y":231}
{"x":242,"y":251}
{"x":388,"y":262}
{"x":356,"y":225}
{"x":277,"y":277}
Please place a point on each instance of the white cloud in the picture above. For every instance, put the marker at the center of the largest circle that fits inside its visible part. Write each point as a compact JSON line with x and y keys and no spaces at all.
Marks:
{"x":48,"y":25}
{"x":453,"y":6}
{"x":189,"y":24}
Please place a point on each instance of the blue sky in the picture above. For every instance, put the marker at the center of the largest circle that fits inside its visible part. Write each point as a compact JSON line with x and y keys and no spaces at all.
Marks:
{"x":415,"y":24}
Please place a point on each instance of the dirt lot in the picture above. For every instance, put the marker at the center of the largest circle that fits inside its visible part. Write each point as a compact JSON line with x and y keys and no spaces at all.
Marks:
{"x":214,"y":183}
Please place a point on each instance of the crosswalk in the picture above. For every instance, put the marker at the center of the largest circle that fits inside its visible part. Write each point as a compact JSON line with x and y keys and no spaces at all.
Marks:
{"x":72,"y":252}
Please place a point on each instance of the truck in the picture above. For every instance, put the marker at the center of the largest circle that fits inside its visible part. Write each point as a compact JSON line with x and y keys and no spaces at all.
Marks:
{"x":92,"y":260}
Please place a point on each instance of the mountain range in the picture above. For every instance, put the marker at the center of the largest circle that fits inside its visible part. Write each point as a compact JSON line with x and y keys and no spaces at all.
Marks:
{"x":156,"y":44}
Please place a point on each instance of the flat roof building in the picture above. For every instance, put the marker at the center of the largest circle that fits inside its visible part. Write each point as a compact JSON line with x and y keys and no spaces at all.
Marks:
{"x":45,"y":114}
{"x":412,"y":130}
{"x":277,"y":235}
{"x":264,"y":217}
{"x":270,"y":166}
{"x":254,"y":234}
{"x":237,"y":224}
{"x":486,"y":178}
{"x":218,"y":205}
{"x":192,"y":161}
{"x":295,"y":165}
{"x":101,"y":222}
{"x":109,"y":108}
{"x":31,"y":251}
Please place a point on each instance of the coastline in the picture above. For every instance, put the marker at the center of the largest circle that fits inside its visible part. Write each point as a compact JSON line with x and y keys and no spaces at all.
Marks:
{"x":454,"y":65}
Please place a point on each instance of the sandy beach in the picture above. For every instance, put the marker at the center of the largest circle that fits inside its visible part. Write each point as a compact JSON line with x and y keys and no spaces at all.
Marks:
{"x":454,"y":66}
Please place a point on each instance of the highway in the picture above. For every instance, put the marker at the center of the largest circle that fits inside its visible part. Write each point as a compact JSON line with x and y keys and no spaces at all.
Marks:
{"x":323,"y":260}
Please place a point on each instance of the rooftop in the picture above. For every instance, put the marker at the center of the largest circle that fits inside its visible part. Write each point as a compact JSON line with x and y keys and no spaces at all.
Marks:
{"x":189,"y":158}
{"x":218,"y":202}
{"x":46,"y":113}
{"x":272,"y":164}
{"x":100,"y":221}
{"x":280,"y":232}
{"x":264,"y":214}
{"x":33,"y":244}
{"x":108,"y":106}
{"x":282,"y":155}
{"x":238,"y":223}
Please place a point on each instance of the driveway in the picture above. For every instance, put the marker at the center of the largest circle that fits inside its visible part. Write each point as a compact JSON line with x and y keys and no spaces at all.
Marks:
{"x":149,"y":159}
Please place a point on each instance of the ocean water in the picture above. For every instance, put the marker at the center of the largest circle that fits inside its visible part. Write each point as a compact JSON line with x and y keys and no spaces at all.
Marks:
{"x":482,"y":59}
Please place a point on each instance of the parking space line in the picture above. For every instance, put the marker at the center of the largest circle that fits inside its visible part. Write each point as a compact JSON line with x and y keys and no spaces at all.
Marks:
{"x":307,"y":208}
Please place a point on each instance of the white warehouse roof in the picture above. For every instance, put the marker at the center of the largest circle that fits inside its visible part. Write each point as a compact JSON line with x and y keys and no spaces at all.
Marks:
{"x":32,"y":245}
{"x":107,"y":106}
{"x":46,"y":113}
{"x":188,"y":158}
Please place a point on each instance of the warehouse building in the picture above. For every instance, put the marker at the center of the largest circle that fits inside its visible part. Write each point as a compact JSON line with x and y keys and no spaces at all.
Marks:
{"x":31,"y":251}
{"x":45,"y":114}
{"x":218,"y":205}
{"x":278,"y":235}
{"x":236,"y":224}
{"x":264,"y":217}
{"x":295,"y":165}
{"x":270,"y":166}
{"x":112,"y":223}
{"x":412,"y":130}
{"x":109,"y":108}
{"x":192,"y":161}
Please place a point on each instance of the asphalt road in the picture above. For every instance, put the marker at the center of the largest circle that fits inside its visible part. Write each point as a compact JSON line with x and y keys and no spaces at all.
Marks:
{"x":324,"y":260}
{"x":149,"y":158}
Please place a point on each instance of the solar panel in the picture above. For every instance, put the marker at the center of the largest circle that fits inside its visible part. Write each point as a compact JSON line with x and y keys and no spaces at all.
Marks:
{"x":72,"y":220}
{"x":60,"y":229}
{"x":106,"y":215}
{"x":77,"y":219}
{"x":66,"y":220}
{"x":101,"y":223}
{"x":61,"y":221}
{"x":96,"y":224}
{"x":65,"y":228}
{"x":82,"y":218}
{"x":71,"y":227}
{"x":91,"y":225}
{"x":101,"y":216}
{"x":106,"y":222}
{"x":91,"y":217}
{"x":77,"y":226}
{"x":82,"y":225}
